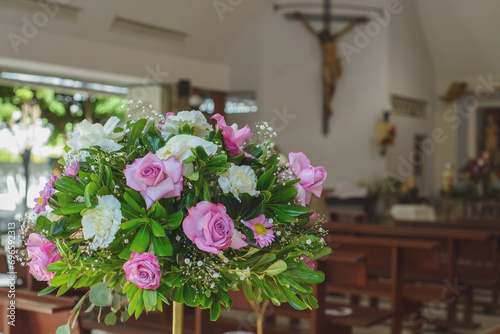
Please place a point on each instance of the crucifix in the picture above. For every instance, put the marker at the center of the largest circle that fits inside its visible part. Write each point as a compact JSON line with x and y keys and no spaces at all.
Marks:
{"x":332,"y":67}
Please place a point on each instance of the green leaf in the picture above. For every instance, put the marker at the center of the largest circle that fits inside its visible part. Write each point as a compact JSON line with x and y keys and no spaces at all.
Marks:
{"x":218,"y":160}
{"x":174,"y":220}
{"x":293,"y":299}
{"x":116,"y":303}
{"x":90,"y":190}
{"x":70,"y":209}
{"x":64,"y":329}
{"x":62,"y":290}
{"x":300,"y":272}
{"x":100,"y":295}
{"x":276,"y":268}
{"x":74,"y":222}
{"x":63,"y":199}
{"x":286,"y":193}
{"x":141,"y":240}
{"x":194,"y":177}
{"x":268,"y":257}
{"x":248,"y":290}
{"x":266,"y":180}
{"x":90,"y":308}
{"x":133,"y":204}
{"x":47,"y":290}
{"x":162,"y":246}
{"x":59,"y":280}
{"x":215,"y":310}
{"x":124,"y":316}
{"x":137,"y":130}
{"x":149,"y":299}
{"x":103,"y":191}
{"x":133,"y":223}
{"x":201,"y":153}
{"x":156,"y":228}
{"x":322,"y":252}
{"x":110,"y":319}
{"x":125,"y":253}
{"x":43,"y":222}
{"x":70,"y":186}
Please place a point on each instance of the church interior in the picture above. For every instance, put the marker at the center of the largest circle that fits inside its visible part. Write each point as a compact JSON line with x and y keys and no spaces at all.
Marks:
{"x":398,"y":100}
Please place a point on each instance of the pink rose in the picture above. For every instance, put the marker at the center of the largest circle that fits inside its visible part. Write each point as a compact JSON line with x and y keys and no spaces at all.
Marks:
{"x":309,"y":262}
{"x":233,"y":139}
{"x":311,"y":178}
{"x":42,"y":252}
{"x":211,"y":229}
{"x":143,"y":270}
{"x":155,"y":178}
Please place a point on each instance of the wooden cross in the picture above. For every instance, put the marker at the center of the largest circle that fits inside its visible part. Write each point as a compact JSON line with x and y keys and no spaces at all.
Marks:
{"x":332,"y":69}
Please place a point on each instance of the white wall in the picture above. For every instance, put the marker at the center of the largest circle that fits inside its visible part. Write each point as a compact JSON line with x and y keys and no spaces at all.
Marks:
{"x":410,"y":75}
{"x":282,"y":62}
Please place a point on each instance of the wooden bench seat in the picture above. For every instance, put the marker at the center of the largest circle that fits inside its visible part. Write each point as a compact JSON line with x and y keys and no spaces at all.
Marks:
{"x":362,"y":316}
{"x":35,"y":314}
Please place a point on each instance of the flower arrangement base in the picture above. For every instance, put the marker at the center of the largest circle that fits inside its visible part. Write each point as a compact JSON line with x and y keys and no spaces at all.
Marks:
{"x":177,"y":318}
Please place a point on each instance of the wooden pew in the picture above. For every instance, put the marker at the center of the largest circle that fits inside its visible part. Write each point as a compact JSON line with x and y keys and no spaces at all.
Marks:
{"x":33,"y":313}
{"x":488,"y":255}
{"x":397,"y":256}
{"x":453,"y":244}
{"x":341,"y":269}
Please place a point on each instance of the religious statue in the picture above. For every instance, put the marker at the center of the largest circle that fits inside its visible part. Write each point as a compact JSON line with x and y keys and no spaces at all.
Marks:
{"x":491,"y":138}
{"x":332,"y":67}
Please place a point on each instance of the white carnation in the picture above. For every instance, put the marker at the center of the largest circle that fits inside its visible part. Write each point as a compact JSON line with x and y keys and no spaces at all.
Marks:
{"x":102,"y":222}
{"x":97,"y":135}
{"x":238,"y":180}
{"x":180,"y":147}
{"x":193,"y":118}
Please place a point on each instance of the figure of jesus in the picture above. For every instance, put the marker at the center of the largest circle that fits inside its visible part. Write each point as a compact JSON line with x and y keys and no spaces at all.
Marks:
{"x":332,"y":67}
{"x":491,"y":139}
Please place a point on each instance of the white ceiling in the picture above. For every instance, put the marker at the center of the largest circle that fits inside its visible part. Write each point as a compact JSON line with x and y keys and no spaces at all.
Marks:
{"x":208,"y":37}
{"x":462,"y":35}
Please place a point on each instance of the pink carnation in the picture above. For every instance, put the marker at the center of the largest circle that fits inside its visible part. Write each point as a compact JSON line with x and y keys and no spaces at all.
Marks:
{"x":261,"y":227}
{"x":311,"y":178}
{"x":143,"y":270}
{"x":155,"y":178}
{"x":43,"y":200}
{"x":41,"y":252}
{"x":233,"y":139}
{"x":211,"y":229}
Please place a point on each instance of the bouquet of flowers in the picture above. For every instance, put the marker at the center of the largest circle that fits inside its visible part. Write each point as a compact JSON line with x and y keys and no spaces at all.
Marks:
{"x":481,"y":173}
{"x":170,"y":208}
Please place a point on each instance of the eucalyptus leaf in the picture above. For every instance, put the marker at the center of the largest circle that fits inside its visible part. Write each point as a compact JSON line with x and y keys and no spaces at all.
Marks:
{"x":64,"y":329}
{"x":100,"y":295}
{"x":110,"y":319}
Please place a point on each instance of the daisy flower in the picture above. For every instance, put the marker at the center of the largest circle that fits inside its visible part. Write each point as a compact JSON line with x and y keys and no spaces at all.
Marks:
{"x":261,"y":227}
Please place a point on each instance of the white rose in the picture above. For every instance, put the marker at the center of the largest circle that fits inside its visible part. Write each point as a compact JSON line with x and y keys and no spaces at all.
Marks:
{"x":193,"y":118}
{"x":102,"y":222}
{"x":238,"y":180}
{"x":96,"y":135}
{"x":180,"y":147}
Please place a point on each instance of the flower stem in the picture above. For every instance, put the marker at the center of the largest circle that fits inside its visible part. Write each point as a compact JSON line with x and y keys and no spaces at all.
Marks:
{"x":177,"y":318}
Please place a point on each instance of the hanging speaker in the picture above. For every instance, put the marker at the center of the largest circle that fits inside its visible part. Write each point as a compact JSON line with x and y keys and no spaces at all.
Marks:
{"x":183,"y":88}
